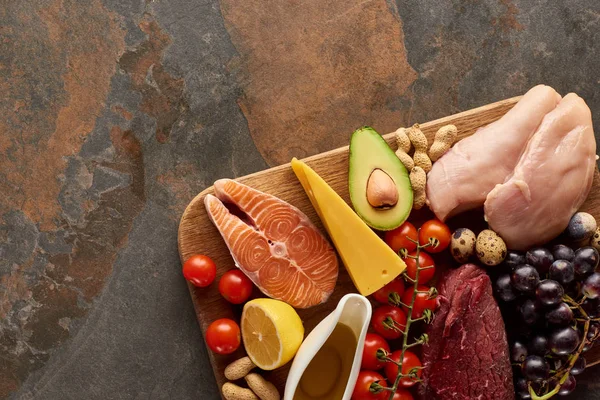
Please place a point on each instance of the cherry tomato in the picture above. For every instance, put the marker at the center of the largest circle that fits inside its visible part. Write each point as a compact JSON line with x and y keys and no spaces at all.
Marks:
{"x":383,"y":294}
{"x":199,"y":270}
{"x":425,"y":260}
{"x":422,"y":301}
{"x":363,"y":385}
{"x":223,"y":336}
{"x":389,"y":321}
{"x":436,"y":232}
{"x":402,"y":394}
{"x":409,"y":361}
{"x":235,"y":286}
{"x":373,"y":342}
{"x":397,"y":238}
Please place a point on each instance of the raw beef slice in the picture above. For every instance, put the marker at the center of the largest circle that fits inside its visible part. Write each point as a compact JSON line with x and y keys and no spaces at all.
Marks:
{"x":467,"y":356}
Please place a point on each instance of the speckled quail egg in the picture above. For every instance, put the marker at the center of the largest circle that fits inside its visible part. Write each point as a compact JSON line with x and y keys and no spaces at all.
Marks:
{"x":595,"y":240}
{"x":581,"y":226}
{"x":462,"y":245}
{"x":490,"y":248}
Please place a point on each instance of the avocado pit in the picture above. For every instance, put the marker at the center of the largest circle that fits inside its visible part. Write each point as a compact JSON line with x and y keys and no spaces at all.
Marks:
{"x":382,"y":192}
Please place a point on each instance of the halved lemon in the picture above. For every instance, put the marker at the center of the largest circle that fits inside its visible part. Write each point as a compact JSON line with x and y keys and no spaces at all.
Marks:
{"x":272,"y":332}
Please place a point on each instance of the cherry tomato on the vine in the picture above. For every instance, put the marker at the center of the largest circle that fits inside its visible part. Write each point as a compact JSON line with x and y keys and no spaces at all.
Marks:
{"x":402,"y":394}
{"x":398,"y":239}
{"x":437,"y":233}
{"x":362,"y":390}
{"x":383,"y":294}
{"x":389,"y":321}
{"x":235,"y":286}
{"x":422,"y":301}
{"x":409,"y":362}
{"x":373,"y":342}
{"x":223,"y":336}
{"x":199,"y":270}
{"x":425,"y":261}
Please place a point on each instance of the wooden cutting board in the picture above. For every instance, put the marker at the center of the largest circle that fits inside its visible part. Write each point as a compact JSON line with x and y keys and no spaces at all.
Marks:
{"x":197,"y":235}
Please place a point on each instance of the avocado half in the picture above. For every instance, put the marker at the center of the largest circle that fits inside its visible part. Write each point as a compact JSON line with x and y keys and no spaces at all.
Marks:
{"x":378,"y":182}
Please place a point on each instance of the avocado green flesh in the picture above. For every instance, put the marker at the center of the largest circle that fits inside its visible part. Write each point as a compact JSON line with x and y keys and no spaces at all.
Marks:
{"x":369,"y":151}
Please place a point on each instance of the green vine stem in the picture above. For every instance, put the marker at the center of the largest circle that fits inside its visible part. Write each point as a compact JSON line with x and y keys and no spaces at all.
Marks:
{"x":563,"y":372}
{"x":410,"y":320}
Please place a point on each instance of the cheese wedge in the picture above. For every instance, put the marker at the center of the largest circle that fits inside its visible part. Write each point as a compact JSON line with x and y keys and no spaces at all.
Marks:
{"x":370,"y":262}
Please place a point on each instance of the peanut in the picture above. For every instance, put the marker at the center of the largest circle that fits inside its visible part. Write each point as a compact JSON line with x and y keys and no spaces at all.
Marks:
{"x":422,"y":160}
{"x":402,"y":140}
{"x":418,"y":180}
{"x":405,"y":159}
{"x":417,"y":138}
{"x":403,"y":148}
{"x":264,"y":389}
{"x":239,"y":369}
{"x":419,"y":141}
{"x":444,"y":139}
{"x":231,"y":391}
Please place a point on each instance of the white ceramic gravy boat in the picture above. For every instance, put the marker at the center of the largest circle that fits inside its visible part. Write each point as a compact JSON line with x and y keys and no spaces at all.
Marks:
{"x":354,"y":311}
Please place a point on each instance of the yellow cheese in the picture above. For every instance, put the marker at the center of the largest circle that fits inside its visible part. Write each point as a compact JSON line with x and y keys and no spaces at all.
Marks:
{"x":370,"y":262}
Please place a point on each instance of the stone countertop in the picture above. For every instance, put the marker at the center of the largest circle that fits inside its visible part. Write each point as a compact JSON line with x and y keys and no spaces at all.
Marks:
{"x":115,"y":114}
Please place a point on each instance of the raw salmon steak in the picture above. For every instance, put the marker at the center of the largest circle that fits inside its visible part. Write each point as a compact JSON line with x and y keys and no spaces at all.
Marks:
{"x":274,"y":244}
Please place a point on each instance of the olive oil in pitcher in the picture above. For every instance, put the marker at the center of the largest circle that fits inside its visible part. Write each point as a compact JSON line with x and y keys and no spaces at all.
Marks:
{"x":326,"y":376}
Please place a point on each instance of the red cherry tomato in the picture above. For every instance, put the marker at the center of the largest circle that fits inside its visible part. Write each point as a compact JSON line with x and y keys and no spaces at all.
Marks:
{"x":383,"y":294}
{"x":235,"y":286}
{"x":223,"y":336}
{"x":363,"y":385}
{"x":402,"y":394}
{"x":199,"y":270}
{"x":373,"y":342}
{"x":409,"y":361}
{"x":437,"y":233}
{"x":389,"y":321}
{"x":397,"y":238}
{"x":425,"y":260}
{"x":422,"y":301}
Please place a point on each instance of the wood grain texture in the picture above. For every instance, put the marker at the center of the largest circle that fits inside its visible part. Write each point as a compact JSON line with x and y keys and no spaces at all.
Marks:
{"x":197,"y":235}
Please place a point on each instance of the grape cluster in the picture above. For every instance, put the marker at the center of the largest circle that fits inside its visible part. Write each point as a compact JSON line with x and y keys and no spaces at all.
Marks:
{"x":555,"y":294}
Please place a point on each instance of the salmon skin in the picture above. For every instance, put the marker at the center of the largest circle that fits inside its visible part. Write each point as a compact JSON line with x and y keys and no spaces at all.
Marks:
{"x":274,"y":244}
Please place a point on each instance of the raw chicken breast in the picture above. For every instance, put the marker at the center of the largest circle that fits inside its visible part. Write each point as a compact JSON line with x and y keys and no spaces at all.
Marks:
{"x":551,"y":180}
{"x":464,"y":176}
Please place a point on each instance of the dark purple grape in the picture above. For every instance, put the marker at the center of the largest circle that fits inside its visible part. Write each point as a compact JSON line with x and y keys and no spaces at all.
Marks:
{"x":535,"y":368}
{"x":513,"y":259}
{"x":593,"y":331}
{"x":579,"y":366}
{"x":568,"y":386}
{"x":586,"y":347}
{"x":564,"y":341}
{"x":525,"y":278}
{"x":560,"y":315}
{"x":585,"y":261}
{"x":591,"y":307}
{"x":538,"y":345}
{"x":529,"y":311}
{"x":591,"y":286}
{"x":562,"y":271}
{"x":562,"y":252}
{"x":518,"y":352}
{"x":521,"y":388}
{"x":549,"y":292}
{"x":540,"y":258}
{"x":504,"y":288}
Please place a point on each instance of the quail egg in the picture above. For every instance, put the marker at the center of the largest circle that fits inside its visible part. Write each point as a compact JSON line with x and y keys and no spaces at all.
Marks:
{"x":462,"y":245}
{"x":490,"y":248}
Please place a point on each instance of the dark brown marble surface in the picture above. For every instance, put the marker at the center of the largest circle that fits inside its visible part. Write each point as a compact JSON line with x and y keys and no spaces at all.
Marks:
{"x":114,"y":114}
